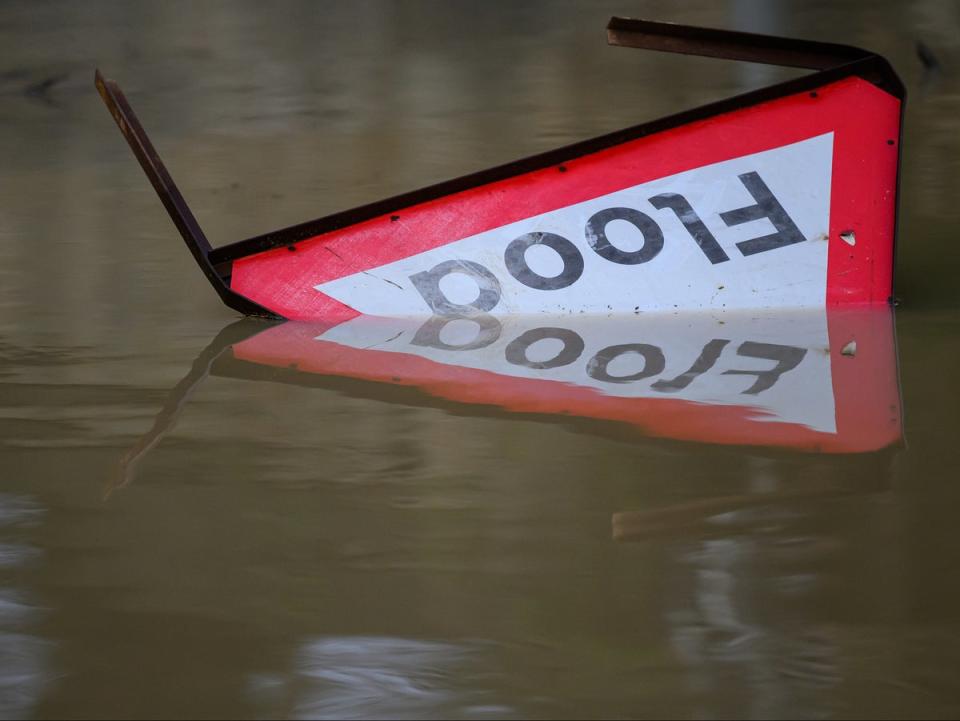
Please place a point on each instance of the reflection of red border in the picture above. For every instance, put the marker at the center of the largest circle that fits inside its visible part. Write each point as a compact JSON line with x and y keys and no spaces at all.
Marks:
{"x":862,"y":117}
{"x":866,"y":386}
{"x":866,"y":390}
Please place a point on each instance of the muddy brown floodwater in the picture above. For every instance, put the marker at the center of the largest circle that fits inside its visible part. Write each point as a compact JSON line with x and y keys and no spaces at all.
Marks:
{"x":345,"y":550}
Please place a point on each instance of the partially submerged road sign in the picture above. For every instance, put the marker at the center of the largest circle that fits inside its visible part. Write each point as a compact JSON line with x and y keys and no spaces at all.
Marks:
{"x":782,"y":197}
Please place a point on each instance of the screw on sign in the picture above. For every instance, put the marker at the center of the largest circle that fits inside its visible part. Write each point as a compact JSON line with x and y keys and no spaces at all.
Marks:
{"x":778,"y":198}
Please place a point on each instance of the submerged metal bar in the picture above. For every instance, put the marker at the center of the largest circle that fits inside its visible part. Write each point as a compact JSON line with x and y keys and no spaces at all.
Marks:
{"x":170,"y":195}
{"x":730,"y":45}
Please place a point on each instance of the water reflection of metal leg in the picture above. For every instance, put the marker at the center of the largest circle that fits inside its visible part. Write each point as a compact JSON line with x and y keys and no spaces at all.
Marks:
{"x":179,"y":395}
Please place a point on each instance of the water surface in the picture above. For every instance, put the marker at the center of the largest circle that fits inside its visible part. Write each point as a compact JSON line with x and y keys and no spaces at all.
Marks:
{"x":286,"y":550}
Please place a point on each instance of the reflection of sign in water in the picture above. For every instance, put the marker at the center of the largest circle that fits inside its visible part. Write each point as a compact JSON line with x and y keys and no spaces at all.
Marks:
{"x":810,"y":380}
{"x":787,"y":379}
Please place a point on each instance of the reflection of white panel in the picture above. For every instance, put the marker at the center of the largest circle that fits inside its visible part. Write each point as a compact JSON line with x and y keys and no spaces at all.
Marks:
{"x":680,"y":276}
{"x":754,"y":342}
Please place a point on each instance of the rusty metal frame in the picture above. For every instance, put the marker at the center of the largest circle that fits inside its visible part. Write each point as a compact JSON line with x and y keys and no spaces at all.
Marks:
{"x":831,"y":62}
{"x":731,"y":45}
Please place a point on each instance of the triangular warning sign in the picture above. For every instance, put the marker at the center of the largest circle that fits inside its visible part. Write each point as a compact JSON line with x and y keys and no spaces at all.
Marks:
{"x":783,"y":197}
{"x":785,"y":203}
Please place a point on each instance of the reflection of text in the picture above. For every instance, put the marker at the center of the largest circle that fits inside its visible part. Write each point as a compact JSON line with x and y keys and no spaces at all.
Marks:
{"x":600,"y":365}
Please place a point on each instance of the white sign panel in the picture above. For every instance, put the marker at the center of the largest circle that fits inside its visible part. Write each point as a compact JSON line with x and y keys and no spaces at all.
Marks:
{"x":744,"y":233}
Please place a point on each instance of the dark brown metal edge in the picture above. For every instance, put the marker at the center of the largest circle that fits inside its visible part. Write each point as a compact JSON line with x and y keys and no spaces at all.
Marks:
{"x":731,"y":44}
{"x":170,"y":195}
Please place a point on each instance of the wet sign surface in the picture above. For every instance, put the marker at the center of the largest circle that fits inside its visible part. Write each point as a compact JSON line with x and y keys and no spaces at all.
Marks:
{"x":781,"y":198}
{"x":646,"y":247}
{"x":754,"y":229}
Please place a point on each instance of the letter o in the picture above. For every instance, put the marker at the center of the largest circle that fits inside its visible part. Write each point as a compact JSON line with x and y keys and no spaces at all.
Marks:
{"x":516,"y":351}
{"x":515,"y":258}
{"x":596,"y":234}
{"x":653,"y":362}
{"x":428,"y":335}
{"x":427,"y":284}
